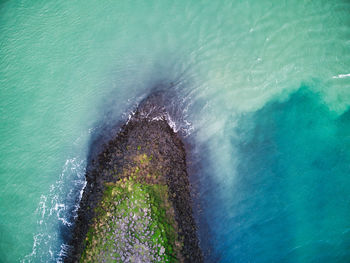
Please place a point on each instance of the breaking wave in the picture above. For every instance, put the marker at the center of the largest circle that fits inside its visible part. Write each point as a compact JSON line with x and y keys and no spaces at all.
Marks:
{"x":58,"y":209}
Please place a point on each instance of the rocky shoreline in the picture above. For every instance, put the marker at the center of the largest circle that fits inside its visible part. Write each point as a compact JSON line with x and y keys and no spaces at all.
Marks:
{"x":149,"y":158}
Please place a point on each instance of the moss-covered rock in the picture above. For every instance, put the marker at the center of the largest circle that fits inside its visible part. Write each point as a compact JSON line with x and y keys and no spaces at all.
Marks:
{"x":136,"y":206}
{"x":134,"y":221}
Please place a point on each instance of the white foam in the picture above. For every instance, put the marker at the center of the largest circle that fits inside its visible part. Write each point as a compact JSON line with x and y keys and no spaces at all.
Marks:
{"x":341,"y":76}
{"x":59,"y":207}
{"x":171,"y":123}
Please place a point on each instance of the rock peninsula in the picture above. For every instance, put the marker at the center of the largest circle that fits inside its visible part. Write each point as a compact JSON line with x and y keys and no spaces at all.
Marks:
{"x":136,"y":206}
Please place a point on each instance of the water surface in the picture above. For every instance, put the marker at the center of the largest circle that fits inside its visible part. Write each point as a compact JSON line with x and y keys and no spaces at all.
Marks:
{"x":263,"y":91}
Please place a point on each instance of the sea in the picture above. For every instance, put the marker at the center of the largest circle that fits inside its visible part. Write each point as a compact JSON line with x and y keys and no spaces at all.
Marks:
{"x":259,"y":89}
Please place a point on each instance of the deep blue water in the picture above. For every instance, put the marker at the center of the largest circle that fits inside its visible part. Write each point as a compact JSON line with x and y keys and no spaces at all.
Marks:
{"x":290,"y":200}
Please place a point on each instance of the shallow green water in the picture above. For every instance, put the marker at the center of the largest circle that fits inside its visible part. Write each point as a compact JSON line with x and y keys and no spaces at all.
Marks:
{"x":66,"y":68}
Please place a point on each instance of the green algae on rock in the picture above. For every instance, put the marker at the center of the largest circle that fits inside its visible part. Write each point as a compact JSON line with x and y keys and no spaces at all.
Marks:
{"x":136,"y":206}
{"x":134,"y":220}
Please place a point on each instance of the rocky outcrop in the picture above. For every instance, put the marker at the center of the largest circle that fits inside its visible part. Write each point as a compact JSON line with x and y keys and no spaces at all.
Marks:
{"x":136,"y":205}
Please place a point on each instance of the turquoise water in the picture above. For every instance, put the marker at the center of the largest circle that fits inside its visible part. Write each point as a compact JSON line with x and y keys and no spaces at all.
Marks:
{"x":263,"y":89}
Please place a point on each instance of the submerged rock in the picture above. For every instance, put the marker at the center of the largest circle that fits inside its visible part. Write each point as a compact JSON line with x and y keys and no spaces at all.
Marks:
{"x":136,"y":206}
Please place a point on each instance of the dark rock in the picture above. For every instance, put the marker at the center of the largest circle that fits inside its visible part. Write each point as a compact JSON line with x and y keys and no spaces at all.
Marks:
{"x":148,"y":130}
